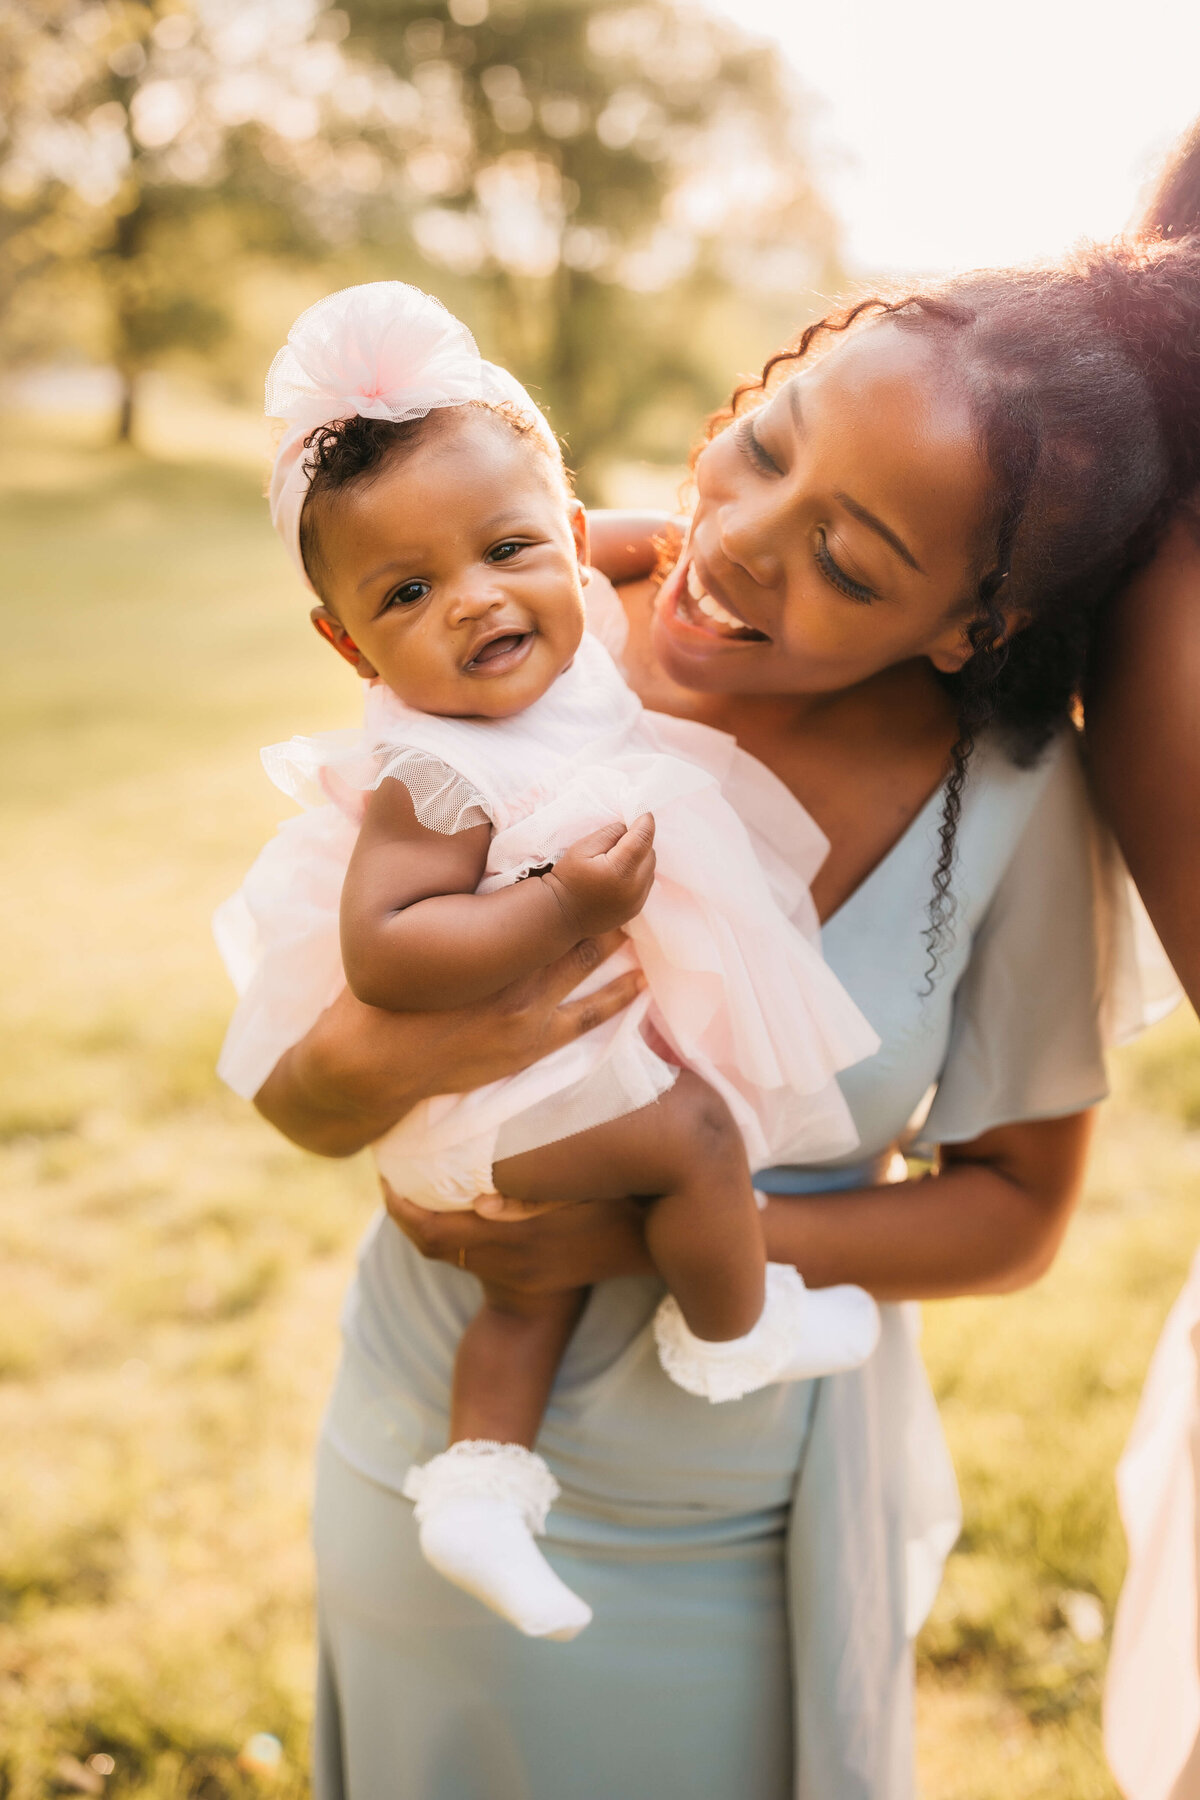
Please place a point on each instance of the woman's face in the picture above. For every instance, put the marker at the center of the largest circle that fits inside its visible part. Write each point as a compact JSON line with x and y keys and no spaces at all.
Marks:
{"x":836,"y":531}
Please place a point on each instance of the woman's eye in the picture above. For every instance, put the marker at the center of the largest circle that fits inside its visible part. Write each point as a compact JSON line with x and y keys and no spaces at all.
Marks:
{"x":408,"y":593}
{"x":837,"y":576}
{"x":749,"y":444}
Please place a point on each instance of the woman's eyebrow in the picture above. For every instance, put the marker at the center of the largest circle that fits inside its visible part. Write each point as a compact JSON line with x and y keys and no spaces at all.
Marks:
{"x":884,"y":531}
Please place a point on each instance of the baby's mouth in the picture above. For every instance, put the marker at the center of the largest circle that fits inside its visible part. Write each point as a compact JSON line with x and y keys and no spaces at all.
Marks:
{"x":698,"y":607}
{"x":500,"y":652}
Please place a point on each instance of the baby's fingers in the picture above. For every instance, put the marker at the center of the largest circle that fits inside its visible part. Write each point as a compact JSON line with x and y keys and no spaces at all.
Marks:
{"x":634,"y":851}
{"x":598,"y":842}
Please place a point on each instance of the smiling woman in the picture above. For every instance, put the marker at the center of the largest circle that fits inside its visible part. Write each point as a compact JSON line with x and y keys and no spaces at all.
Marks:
{"x":982,"y":524}
{"x":797,"y":497}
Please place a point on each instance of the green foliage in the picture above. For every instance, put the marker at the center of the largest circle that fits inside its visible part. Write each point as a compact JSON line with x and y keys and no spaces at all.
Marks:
{"x":603,"y":178}
{"x":617,"y":197}
{"x":145,"y":151}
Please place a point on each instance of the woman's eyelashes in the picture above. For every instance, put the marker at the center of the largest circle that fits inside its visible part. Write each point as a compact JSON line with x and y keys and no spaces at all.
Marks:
{"x":837,"y":576}
{"x":749,"y":444}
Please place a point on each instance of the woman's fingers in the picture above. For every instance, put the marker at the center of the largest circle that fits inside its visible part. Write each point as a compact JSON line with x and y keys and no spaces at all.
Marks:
{"x":574,"y":1017}
{"x":563,"y":975}
{"x":515,"y":1212}
{"x":437,"y":1235}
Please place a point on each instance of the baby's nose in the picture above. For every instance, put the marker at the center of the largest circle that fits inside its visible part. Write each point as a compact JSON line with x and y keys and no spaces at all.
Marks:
{"x":472,"y":599}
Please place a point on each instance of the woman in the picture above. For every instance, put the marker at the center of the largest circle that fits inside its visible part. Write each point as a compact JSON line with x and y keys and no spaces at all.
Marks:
{"x":891,"y":573}
{"x":1143,"y":719}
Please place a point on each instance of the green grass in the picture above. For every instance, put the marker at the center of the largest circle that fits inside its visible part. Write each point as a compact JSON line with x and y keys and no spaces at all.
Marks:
{"x":171,"y":1270}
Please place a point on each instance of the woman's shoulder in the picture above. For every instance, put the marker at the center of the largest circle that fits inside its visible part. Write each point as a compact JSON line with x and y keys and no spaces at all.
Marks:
{"x":1008,"y":796}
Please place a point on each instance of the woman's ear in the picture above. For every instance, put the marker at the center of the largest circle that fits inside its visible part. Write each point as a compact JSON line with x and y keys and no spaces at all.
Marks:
{"x":328,"y":626}
{"x":579,"y":531}
{"x":952,"y":650}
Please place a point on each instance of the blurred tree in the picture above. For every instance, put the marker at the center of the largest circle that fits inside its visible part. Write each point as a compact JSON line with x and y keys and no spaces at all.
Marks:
{"x":605,"y":174}
{"x":607,"y":189}
{"x":144,"y":146}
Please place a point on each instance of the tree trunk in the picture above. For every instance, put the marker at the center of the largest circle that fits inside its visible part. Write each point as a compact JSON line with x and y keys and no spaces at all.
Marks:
{"x":125,"y":411}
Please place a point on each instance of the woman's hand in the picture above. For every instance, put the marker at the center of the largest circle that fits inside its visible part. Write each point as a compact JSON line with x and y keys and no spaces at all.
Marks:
{"x":359,"y":1070}
{"x":529,"y":1250}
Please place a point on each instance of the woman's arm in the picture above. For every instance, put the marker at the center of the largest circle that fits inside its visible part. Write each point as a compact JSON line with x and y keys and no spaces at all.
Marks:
{"x":359,"y":1070}
{"x":1143,"y":740}
{"x":988,"y":1222}
{"x":417,"y":937}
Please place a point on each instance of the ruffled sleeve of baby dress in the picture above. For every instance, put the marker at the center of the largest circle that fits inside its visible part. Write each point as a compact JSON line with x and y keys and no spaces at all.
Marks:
{"x":279,"y":935}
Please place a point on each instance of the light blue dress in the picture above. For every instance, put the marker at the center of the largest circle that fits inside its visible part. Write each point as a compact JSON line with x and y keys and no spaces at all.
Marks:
{"x":757,"y":1570}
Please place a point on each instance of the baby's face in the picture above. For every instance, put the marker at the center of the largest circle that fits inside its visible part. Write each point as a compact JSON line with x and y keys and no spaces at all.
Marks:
{"x":455,"y":571}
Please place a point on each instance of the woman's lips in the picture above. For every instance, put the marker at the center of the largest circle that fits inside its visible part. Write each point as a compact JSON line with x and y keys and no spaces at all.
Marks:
{"x":501,"y":653}
{"x":693,"y":605}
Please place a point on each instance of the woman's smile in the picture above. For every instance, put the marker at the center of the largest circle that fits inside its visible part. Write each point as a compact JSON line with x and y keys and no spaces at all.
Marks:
{"x":693,"y":615}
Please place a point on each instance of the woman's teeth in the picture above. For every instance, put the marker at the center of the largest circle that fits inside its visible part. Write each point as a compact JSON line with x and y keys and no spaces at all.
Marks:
{"x":712,"y":609}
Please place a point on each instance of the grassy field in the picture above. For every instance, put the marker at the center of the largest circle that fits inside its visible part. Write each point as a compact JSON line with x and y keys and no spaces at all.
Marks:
{"x":170,"y":1271}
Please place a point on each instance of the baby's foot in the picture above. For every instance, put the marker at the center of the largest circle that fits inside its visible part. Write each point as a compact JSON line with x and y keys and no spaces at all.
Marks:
{"x":801,"y":1333}
{"x":479,"y":1505}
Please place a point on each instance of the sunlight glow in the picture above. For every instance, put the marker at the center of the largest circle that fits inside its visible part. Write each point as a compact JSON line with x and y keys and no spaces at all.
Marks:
{"x":958,"y":134}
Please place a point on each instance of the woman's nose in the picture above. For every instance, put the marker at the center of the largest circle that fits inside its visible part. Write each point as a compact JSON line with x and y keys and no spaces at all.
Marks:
{"x":746,"y":536}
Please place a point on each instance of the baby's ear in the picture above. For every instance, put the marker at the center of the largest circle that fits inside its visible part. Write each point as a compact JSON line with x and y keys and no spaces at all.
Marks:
{"x":328,"y":626}
{"x":577,"y":513}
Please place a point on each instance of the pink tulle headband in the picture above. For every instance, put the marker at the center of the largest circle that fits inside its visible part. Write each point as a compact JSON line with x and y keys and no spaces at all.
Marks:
{"x":383,"y":350}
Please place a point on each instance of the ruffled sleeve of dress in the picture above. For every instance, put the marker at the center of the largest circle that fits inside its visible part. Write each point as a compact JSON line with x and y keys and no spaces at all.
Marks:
{"x":1064,"y":963}
{"x":443,"y":800}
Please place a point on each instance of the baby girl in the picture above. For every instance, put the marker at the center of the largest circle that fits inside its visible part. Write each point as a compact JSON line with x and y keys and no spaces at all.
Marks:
{"x":508,"y":797}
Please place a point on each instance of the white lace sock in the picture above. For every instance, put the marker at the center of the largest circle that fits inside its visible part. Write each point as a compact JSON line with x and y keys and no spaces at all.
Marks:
{"x":801,"y":1333}
{"x":479,"y":1506}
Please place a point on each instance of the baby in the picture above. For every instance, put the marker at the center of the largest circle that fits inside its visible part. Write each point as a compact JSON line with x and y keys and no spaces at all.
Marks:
{"x":508,"y":797}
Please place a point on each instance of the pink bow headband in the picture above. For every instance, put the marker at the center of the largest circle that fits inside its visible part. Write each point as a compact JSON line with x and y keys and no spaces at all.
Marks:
{"x":383,"y":350}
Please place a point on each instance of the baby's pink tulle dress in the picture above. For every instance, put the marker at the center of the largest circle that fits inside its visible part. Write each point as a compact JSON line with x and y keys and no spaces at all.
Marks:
{"x":736,"y":986}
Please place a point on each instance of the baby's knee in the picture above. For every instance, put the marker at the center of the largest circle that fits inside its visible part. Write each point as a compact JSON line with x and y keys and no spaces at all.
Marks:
{"x":704,"y":1126}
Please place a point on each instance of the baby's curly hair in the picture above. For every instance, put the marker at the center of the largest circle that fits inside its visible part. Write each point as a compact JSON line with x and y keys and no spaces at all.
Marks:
{"x":353,"y":452}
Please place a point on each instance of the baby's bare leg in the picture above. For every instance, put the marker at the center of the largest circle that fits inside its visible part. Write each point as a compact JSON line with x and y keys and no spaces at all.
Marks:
{"x":482,"y":1503}
{"x":685,"y":1154}
{"x":506,"y":1364}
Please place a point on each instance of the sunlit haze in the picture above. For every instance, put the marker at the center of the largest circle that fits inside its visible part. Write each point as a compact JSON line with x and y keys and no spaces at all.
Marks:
{"x":955,"y":133}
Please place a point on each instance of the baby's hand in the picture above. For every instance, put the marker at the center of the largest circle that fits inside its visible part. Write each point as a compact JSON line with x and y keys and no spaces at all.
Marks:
{"x":604,"y":879}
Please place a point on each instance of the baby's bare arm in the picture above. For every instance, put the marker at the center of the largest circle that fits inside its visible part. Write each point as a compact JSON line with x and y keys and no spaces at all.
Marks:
{"x":625,"y":545}
{"x":417,"y":938}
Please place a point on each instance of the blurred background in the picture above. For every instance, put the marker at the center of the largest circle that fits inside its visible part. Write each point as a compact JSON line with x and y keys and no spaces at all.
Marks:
{"x":631,"y":204}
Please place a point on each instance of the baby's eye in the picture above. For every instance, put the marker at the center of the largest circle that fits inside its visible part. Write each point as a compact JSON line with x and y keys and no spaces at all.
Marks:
{"x":407,"y":594}
{"x":506,"y":551}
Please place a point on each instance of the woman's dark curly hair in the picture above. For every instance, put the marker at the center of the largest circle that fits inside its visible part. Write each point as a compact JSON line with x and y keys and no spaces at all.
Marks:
{"x":1083,"y":382}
